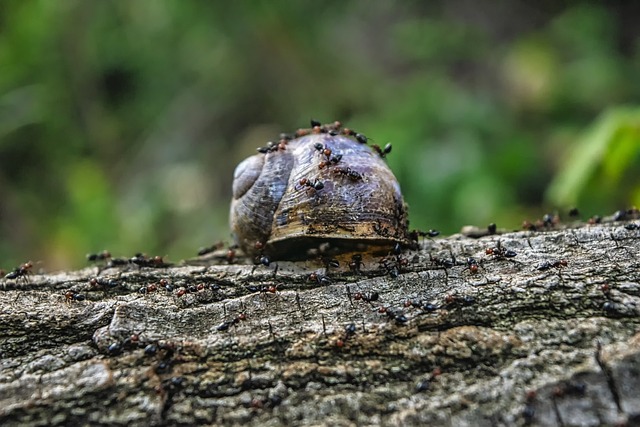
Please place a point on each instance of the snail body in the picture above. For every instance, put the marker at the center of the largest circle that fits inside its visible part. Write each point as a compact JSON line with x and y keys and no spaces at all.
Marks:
{"x":319,"y":193}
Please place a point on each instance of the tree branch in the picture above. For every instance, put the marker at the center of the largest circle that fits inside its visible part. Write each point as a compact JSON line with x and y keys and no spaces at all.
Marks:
{"x":548,"y":336}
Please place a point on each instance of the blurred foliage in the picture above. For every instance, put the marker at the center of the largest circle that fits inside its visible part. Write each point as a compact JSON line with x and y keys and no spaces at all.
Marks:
{"x":121,"y":121}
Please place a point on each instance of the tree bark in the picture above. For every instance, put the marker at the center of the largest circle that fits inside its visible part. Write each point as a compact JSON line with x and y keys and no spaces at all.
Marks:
{"x":544,"y":331}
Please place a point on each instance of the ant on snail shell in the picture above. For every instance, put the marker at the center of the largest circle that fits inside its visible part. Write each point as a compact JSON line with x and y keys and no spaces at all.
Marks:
{"x":311,"y":184}
{"x":349,"y":173}
{"x":382,"y":152}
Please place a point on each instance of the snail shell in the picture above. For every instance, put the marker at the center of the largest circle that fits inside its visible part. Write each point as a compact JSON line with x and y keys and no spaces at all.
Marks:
{"x":358,"y":208}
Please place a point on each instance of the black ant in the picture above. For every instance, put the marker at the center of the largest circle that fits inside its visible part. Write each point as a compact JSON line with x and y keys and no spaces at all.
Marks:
{"x":546,"y":265}
{"x":414,"y":235}
{"x":209,"y":249}
{"x":358,"y":136}
{"x":356,"y":263}
{"x":330,"y":158}
{"x":263,"y":289}
{"x":596,"y":219}
{"x":443,"y":262}
{"x":500,"y":252}
{"x":109,"y":283}
{"x":394,"y":313}
{"x":550,"y":220}
{"x":473,"y":265}
{"x":102,"y":256}
{"x":419,"y":304}
{"x":320,"y":279}
{"x":73,"y":296}
{"x":272,"y":146}
{"x":143,"y":261}
{"x":353,"y":175}
{"x":21,"y":272}
{"x":330,"y":262}
{"x":314,"y":185}
{"x":227,"y":323}
{"x":230,"y":256}
{"x":393,"y":264}
{"x":349,"y":331}
{"x":382,"y":152}
{"x":118,"y":262}
{"x":454,"y":300}
{"x":366,"y":297}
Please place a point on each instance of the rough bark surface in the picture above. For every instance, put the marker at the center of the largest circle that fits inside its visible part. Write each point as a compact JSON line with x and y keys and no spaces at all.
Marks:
{"x":525,"y":339}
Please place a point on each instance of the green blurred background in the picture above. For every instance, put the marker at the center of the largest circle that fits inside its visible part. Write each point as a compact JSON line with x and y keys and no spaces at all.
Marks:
{"x":121,"y":121}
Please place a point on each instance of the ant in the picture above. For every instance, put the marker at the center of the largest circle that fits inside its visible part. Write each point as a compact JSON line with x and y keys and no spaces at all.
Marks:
{"x":321,"y":279}
{"x":596,"y":219}
{"x":209,"y":249}
{"x":151,"y":288}
{"x":330,"y":262}
{"x":262,"y":259}
{"x":102,"y":256}
{"x":455,"y":300}
{"x":143,"y":261}
{"x":394,"y":313}
{"x":314,"y":185}
{"x":472,"y":263}
{"x":110,"y":283}
{"x":414,"y":235}
{"x":382,"y":152}
{"x":443,"y":262}
{"x":550,"y":220}
{"x":73,"y":296}
{"x":356,"y":263}
{"x":546,"y":265}
{"x":393,"y":264}
{"x":21,"y":272}
{"x":330,"y":158}
{"x":272,"y":146}
{"x":349,"y":173}
{"x":366,"y":297}
{"x":419,"y":304}
{"x":500,"y":252}
{"x":349,"y":331}
{"x":263,"y":289}
{"x":358,"y":136}
{"x":227,"y":323}
{"x":230,"y":255}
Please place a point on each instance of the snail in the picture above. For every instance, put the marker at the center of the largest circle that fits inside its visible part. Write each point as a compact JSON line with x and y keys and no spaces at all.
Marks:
{"x":323,"y":192}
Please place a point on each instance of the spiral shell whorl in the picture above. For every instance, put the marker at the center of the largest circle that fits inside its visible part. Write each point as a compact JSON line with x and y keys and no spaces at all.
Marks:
{"x":359,"y":207}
